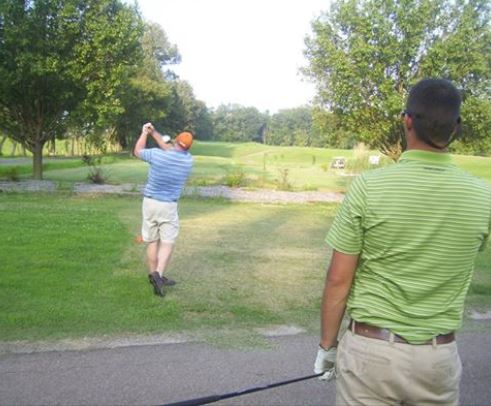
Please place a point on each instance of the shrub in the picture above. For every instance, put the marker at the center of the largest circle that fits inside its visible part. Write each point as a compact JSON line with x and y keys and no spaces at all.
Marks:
{"x":12,"y":175}
{"x":96,"y":173}
{"x":283,"y":183}
{"x":235,"y":178}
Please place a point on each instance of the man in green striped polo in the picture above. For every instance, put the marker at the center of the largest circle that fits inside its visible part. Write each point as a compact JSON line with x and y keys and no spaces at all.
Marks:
{"x":404,"y":243}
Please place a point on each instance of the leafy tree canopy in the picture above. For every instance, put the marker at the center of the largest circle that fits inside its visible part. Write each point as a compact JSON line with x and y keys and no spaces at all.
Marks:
{"x":147,"y":93}
{"x":236,"y":123}
{"x":291,"y":127}
{"x":62,"y":60}
{"x":365,"y":55}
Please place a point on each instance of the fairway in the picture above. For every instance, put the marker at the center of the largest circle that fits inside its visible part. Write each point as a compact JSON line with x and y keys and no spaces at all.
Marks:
{"x":248,"y":165}
{"x":70,"y":268}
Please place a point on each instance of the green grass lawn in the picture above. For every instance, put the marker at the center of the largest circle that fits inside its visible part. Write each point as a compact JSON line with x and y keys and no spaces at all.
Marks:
{"x":247,"y":165}
{"x":70,"y":268}
{"x":214,"y":163}
{"x":77,"y":171}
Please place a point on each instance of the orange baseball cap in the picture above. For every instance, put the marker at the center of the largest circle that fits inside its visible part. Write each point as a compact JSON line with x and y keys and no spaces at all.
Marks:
{"x":185,"y":140}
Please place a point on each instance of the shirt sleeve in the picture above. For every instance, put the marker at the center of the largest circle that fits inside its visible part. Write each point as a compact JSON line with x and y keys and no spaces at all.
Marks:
{"x":346,"y":232}
{"x":146,"y":155}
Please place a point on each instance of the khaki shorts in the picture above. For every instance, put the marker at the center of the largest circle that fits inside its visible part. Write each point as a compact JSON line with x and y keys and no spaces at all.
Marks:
{"x":377,"y":372}
{"x":160,"y":221}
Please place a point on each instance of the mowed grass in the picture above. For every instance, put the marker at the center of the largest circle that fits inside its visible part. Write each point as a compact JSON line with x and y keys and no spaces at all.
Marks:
{"x":261,"y":166}
{"x":479,"y":297}
{"x":77,"y":170}
{"x":70,"y":267}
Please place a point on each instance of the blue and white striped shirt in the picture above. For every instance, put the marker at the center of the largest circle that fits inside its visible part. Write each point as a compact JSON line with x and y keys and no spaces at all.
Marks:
{"x":169,"y":170}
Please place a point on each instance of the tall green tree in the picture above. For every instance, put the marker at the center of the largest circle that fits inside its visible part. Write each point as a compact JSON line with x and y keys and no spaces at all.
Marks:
{"x":183,"y":108}
{"x":236,"y":123}
{"x":203,"y":122}
{"x":186,"y":112}
{"x":148,"y":90}
{"x":291,"y":127}
{"x":365,"y":54}
{"x":328,"y":131}
{"x":61,"y":60}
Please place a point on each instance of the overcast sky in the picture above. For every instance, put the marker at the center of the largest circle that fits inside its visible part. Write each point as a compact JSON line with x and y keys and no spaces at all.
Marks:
{"x":240,"y":51}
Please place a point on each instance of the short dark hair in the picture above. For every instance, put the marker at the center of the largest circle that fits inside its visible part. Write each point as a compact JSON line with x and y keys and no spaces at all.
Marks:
{"x":434,"y":105}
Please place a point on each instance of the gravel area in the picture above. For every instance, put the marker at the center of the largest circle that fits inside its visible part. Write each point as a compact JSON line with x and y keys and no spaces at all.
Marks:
{"x":236,"y":194}
{"x":264,"y":195}
{"x":28,"y":186}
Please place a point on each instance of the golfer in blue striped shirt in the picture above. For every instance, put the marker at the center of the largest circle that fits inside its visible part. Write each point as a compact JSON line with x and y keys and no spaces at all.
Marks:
{"x":170,"y":166}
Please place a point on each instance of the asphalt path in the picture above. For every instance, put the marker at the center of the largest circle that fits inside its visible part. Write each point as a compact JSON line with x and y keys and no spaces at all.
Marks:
{"x":163,"y":373}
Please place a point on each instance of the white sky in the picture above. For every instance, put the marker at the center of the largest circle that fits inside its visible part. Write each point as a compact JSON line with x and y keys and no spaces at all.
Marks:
{"x":240,"y":51}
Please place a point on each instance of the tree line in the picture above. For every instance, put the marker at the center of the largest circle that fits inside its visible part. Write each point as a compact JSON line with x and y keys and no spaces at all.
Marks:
{"x":88,"y":68}
{"x":363,"y":56}
{"x":96,"y":69}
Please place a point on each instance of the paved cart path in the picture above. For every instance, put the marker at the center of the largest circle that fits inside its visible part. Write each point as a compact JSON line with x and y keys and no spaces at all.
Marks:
{"x":168,"y":372}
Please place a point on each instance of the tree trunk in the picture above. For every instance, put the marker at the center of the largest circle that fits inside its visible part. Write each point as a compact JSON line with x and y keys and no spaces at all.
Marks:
{"x":14,"y":148}
{"x":2,"y":142}
{"x":52,"y":149}
{"x":37,"y":161}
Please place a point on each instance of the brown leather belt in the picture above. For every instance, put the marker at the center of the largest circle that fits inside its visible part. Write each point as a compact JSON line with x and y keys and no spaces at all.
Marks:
{"x":366,"y":330}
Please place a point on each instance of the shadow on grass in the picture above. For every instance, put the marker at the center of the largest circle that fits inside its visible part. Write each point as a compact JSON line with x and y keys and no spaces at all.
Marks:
{"x":260,"y":265}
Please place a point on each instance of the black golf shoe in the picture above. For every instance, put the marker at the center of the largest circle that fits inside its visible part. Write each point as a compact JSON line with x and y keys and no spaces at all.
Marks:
{"x":157,"y":282}
{"x":168,"y":282}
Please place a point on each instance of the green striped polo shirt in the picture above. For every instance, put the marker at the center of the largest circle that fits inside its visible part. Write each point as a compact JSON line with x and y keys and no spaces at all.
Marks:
{"x":417,"y":226}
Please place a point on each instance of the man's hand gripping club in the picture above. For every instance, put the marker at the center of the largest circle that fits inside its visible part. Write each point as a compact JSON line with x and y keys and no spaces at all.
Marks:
{"x":326,"y":362}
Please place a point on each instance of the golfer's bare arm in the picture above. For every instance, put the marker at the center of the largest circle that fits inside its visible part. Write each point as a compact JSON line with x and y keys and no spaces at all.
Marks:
{"x":338,"y":283}
{"x":160,"y":142}
{"x":140,"y":144}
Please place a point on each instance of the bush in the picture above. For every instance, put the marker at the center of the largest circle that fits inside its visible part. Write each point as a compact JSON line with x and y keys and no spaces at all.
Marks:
{"x":96,"y":173}
{"x":235,"y":178}
{"x":283,"y":183}
{"x":12,"y":175}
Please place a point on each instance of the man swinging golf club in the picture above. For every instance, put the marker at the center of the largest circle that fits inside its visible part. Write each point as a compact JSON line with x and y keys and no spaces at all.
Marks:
{"x":170,"y":166}
{"x":404,"y":243}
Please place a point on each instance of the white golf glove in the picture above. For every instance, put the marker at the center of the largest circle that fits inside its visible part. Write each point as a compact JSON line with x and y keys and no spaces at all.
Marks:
{"x":326,"y":362}
{"x":147,"y":128}
{"x":166,"y":138}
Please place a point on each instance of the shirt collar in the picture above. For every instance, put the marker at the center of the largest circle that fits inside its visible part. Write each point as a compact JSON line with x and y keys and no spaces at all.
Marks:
{"x":441,"y":158}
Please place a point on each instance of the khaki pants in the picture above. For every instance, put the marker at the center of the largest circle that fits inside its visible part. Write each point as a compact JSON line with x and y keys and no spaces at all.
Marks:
{"x":160,"y":221}
{"x":377,"y":372}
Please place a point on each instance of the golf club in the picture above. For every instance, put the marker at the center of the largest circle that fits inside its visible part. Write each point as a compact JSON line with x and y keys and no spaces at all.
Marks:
{"x":215,"y":398}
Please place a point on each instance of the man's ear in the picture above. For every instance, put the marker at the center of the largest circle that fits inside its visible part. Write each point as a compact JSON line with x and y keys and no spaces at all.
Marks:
{"x":457,"y":131}
{"x":408,"y":122}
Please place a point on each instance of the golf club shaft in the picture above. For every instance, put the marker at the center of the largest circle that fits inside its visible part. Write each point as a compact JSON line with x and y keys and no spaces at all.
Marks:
{"x":215,"y":398}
